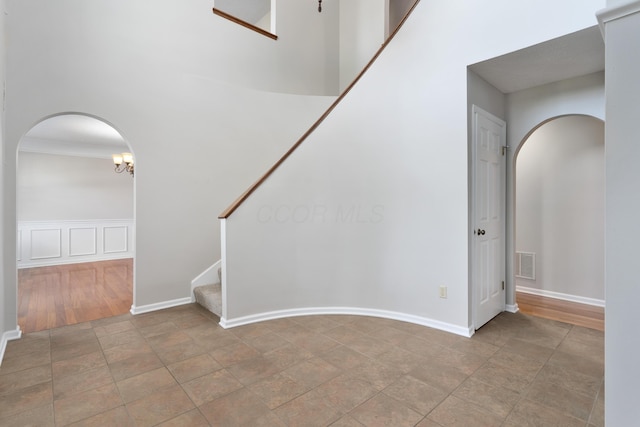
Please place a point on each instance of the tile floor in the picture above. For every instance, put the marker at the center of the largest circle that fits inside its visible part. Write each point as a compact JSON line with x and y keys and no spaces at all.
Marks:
{"x":177,"y":367}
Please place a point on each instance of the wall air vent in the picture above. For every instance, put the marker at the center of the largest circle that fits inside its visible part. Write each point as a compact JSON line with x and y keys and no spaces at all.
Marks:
{"x":526,"y":265}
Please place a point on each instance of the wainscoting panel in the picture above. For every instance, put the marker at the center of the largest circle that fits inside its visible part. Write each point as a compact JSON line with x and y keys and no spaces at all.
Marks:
{"x":42,"y":243}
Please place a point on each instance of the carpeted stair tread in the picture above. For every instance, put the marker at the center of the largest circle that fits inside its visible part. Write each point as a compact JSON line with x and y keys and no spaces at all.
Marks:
{"x":210,"y":297}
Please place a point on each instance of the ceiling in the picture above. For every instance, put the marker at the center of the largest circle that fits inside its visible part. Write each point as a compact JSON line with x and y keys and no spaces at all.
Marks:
{"x":75,"y":135}
{"x":573,"y":55}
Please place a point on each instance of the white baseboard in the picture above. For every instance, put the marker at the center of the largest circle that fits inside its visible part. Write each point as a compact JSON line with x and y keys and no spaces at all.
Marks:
{"x":6,"y":337}
{"x":561,"y":296}
{"x":159,"y":306}
{"x":511,"y":308}
{"x":261,"y":317}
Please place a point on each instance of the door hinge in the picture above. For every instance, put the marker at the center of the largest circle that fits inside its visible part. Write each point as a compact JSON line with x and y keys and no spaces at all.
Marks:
{"x":503,"y":285}
{"x":504,"y":149}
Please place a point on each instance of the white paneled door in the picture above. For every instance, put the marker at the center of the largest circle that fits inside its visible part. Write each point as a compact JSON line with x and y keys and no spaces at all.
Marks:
{"x":488,"y":216}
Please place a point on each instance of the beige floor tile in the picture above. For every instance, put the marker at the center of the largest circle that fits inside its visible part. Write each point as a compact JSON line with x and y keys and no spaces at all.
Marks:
{"x":41,"y":416}
{"x":401,"y":359}
{"x":316,"y":343}
{"x":125,"y":351}
{"x":383,"y":410}
{"x":278,"y":389}
{"x":287,"y":355}
{"x":113,"y":328}
{"x":268,"y":342}
{"x":442,"y":376}
{"x":342,"y":334}
{"x":457,"y":412}
{"x":134,"y":365}
{"x":192,"y":418}
{"x":20,"y":362}
{"x":415,"y":394}
{"x":499,"y":376}
{"x":531,"y":414}
{"x":240,"y":408}
{"x":114,"y":417}
{"x":62,"y":337}
{"x":161,"y":406}
{"x":570,"y":379}
{"x":255,"y":330}
{"x":16,"y":381}
{"x":194,"y":367}
{"x":577,"y":363}
{"x":561,"y":399}
{"x":309,"y":410}
{"x":69,"y":385}
{"x":142,"y":385}
{"x":158,"y":329}
{"x":211,"y":386}
{"x":530,"y":350}
{"x":92,"y":402}
{"x":313,"y":372}
{"x":464,"y":362}
{"x":377,"y":374}
{"x":253,"y":370}
{"x":26,"y":399}
{"x":120,"y":338}
{"x":180,"y":352}
{"x":344,"y":358}
{"x":79,"y":364}
{"x":70,"y":351}
{"x":346,"y":392}
{"x":347,"y":421}
{"x":369,"y":346}
{"x":497,"y":400}
{"x":234,"y":354}
{"x":163,"y":341}
{"x":31,"y":343}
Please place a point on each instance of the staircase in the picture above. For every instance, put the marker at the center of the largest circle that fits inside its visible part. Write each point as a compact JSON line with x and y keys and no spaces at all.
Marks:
{"x":210,"y":296}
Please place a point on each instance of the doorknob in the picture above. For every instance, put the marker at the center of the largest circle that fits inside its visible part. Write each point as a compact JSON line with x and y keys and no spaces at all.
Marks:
{"x":480,"y":232}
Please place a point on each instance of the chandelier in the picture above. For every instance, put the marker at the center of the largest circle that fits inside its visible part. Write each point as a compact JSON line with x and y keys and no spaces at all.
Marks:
{"x":123,"y":162}
{"x":319,"y":5}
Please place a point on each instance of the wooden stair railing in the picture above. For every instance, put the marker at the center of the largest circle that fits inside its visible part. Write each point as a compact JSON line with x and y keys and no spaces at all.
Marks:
{"x":236,"y":204}
{"x":244,"y":23}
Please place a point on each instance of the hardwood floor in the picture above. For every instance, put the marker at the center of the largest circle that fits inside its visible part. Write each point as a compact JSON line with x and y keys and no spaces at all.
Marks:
{"x":49,"y":297}
{"x":564,"y":311}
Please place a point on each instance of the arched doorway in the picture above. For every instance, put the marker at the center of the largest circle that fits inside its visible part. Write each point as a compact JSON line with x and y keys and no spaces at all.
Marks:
{"x":76,"y":227}
{"x":559,"y":213}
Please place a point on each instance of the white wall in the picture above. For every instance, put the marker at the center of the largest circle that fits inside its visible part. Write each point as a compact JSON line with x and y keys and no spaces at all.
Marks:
{"x":560,"y":207}
{"x":167,"y":85}
{"x":622,"y":340}
{"x":7,"y":316}
{"x":529,"y":108}
{"x":396,"y":148}
{"x":362,"y":32}
{"x":55,"y":187}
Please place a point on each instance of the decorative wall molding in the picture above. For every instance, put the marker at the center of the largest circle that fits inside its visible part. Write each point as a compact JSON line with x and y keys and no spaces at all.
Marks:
{"x":44,"y":243}
{"x":403,"y":317}
{"x":159,"y":306}
{"x":561,"y":296}
{"x":6,"y":337}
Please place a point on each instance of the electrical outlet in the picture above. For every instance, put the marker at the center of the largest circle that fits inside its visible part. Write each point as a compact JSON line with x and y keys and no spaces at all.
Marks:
{"x":443,"y":291}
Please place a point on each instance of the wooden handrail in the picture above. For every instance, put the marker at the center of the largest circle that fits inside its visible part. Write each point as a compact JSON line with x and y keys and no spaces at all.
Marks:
{"x":227,"y":212}
{"x":244,"y":23}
